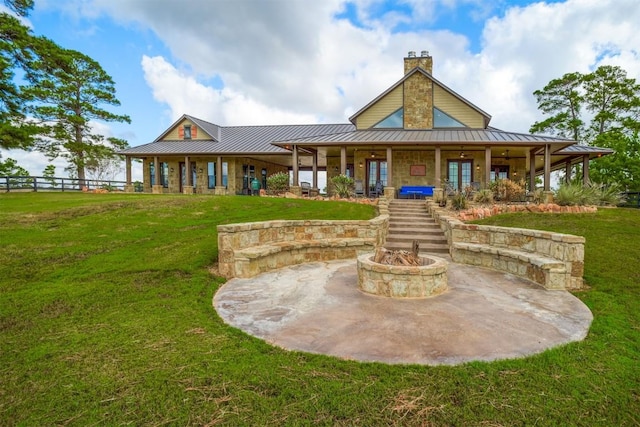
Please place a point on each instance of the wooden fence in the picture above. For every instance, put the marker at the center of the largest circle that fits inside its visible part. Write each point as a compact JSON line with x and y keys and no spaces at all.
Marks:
{"x":42,"y":183}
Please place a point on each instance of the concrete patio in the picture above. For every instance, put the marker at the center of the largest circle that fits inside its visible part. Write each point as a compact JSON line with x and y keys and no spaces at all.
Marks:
{"x":485,"y":315}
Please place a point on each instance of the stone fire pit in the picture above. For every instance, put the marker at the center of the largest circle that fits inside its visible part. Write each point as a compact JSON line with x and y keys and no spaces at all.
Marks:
{"x":398,"y":281}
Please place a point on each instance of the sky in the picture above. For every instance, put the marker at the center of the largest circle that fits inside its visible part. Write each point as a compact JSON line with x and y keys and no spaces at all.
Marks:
{"x":250,"y":62}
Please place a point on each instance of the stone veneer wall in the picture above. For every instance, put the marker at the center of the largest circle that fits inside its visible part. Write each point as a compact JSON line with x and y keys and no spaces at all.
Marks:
{"x":418,"y":102}
{"x":271,"y":244}
{"x":566,"y":248}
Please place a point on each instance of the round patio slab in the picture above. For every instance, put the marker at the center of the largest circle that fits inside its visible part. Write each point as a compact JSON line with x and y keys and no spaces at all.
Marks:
{"x":485,"y":315}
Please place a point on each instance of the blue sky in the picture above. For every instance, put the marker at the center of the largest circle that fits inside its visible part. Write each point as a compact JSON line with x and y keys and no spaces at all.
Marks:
{"x":293,"y":61}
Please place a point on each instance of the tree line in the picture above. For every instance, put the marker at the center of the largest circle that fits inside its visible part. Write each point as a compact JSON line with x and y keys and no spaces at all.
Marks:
{"x":49,"y":95}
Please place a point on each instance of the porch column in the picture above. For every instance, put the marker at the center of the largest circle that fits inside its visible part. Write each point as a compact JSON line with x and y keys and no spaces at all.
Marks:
{"x":295,"y":166}
{"x":187,"y":188}
{"x":585,"y":170}
{"x":437,"y":180}
{"x":487,"y":166}
{"x":343,"y":160}
{"x":547,"y":167}
{"x":219,"y":172}
{"x":390,"y":190}
{"x":220,"y":189}
{"x":314,"y":169}
{"x":532,"y":170}
{"x":567,"y":172}
{"x":128,"y":187}
{"x":156,"y":187}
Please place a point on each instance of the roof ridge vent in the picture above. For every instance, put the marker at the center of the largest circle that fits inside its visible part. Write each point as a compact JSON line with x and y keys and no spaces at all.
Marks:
{"x":411,"y":54}
{"x":424,"y":53}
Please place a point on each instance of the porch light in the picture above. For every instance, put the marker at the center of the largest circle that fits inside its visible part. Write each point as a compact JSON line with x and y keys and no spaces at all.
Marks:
{"x":360,"y":165}
{"x":461,"y":153}
{"x":200,"y":170}
{"x":478,"y":167}
{"x":373,"y":154}
{"x":171,"y":170}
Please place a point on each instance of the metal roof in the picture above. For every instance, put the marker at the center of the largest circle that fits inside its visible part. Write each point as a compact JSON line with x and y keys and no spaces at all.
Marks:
{"x":236,"y":139}
{"x":420,"y":136}
{"x":585,"y":149}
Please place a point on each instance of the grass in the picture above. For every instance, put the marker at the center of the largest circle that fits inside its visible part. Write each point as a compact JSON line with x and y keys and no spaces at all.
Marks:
{"x":106,"y":319}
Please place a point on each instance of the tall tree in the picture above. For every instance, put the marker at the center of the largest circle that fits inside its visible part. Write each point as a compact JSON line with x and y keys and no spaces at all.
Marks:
{"x":602,"y":109}
{"x":614,"y":100}
{"x":17,"y":49}
{"x":562,"y":99}
{"x":68,"y":90}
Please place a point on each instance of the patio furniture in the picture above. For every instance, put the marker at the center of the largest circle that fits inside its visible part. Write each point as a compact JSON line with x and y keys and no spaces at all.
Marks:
{"x":377,"y":190}
{"x":305,"y":188}
{"x":359,"y":188}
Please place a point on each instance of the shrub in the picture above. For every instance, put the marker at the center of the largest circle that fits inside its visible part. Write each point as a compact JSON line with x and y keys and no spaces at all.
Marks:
{"x":342,"y":185}
{"x":278,"y":183}
{"x":459,"y":201}
{"x":575,"y":194}
{"x":507,"y":190}
{"x":484,"y":196}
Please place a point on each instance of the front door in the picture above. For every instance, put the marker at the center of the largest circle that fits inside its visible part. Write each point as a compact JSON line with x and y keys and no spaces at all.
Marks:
{"x":376,"y":173}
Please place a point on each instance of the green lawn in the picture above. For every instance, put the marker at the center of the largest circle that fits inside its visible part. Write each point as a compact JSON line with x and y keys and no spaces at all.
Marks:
{"x":106,"y":319}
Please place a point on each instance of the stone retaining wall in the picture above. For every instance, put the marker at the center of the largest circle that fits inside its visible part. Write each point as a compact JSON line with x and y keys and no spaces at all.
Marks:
{"x":245,"y":250}
{"x":554,"y":260}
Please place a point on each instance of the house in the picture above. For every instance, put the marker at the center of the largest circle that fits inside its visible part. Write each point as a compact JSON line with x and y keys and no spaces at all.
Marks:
{"x":418,"y":132}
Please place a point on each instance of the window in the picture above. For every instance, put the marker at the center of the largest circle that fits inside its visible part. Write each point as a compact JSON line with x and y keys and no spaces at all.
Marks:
{"x":152,"y":173}
{"x":460,"y":173}
{"x":211,"y":174}
{"x":394,"y":120}
{"x":225,"y":174}
{"x":164,"y":174}
{"x":443,"y":120}
{"x":499,"y":172}
{"x":187,"y":131}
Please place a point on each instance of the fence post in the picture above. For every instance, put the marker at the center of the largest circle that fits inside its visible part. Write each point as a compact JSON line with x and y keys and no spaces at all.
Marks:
{"x":7,"y":179}
{"x":35,"y":184}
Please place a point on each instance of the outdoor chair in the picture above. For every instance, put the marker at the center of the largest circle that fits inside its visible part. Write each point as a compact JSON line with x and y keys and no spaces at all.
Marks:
{"x":377,"y":190}
{"x":305,"y":188}
{"x":359,"y":188}
{"x":448,"y":189}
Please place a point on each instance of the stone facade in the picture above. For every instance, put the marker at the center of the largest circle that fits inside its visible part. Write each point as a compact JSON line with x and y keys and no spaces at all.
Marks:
{"x":418,"y":102}
{"x":396,"y":281}
{"x":246,"y":250}
{"x":553,"y":260}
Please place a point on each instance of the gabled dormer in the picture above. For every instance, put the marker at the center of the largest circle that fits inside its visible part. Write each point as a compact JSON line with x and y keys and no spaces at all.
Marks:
{"x":188,"y":128}
{"x":419,"y":101}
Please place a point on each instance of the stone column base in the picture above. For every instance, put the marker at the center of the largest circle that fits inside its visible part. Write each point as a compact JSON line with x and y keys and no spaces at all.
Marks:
{"x":157,"y":189}
{"x":220,"y":191}
{"x":187,"y":189}
{"x":129,"y":188}
{"x":547,"y":196}
{"x":390,"y":192}
{"x":296,"y":189}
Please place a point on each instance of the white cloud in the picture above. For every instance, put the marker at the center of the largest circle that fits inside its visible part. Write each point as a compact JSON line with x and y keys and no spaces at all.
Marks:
{"x":294,"y":61}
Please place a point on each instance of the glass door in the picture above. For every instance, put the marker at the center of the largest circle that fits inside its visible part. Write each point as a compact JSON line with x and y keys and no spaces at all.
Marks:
{"x":460,"y":174}
{"x":376,"y":176}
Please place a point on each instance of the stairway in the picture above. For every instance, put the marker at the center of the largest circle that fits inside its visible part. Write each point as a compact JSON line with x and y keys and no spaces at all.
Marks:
{"x":409,"y":221}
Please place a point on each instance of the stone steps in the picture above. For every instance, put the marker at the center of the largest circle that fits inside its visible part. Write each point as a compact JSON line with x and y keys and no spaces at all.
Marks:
{"x":409,"y":221}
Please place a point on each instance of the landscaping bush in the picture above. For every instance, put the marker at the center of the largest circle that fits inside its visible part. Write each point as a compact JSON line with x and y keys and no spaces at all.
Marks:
{"x":459,"y":201}
{"x":507,"y":190}
{"x":576,"y":194}
{"x":278,"y":183}
{"x":484,"y":196}
{"x":343,"y":185}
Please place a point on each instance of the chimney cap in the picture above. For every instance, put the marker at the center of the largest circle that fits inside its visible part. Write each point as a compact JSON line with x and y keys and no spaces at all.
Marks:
{"x":424,"y":53}
{"x":412,"y":54}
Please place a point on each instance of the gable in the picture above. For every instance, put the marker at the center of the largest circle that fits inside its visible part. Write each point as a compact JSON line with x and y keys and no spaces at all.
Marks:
{"x":177,"y":133}
{"x":385,"y":106}
{"x":454,"y":107}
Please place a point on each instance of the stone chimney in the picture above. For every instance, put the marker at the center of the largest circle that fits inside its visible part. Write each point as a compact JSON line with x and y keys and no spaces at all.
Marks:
{"x":424,"y":61}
